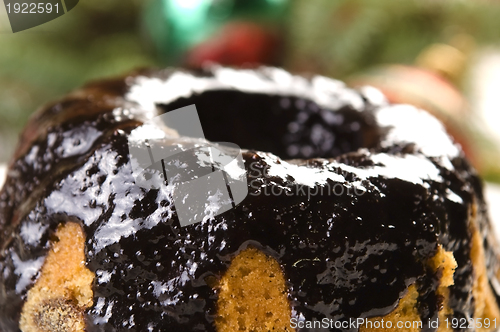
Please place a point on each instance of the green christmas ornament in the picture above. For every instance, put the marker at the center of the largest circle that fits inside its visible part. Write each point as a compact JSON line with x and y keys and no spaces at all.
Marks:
{"x":177,"y":27}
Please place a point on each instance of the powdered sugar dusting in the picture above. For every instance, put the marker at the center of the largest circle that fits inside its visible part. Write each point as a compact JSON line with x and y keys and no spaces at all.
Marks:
{"x":412,"y":125}
{"x":149,"y":91}
{"x":32,"y":232}
{"x":307,"y":176}
{"x":26,"y":270}
{"x":410,"y":168}
{"x":214,"y":203}
{"x":454,"y":197}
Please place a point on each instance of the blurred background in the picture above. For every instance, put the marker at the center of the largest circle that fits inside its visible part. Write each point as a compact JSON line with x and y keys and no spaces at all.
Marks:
{"x":441,"y":55}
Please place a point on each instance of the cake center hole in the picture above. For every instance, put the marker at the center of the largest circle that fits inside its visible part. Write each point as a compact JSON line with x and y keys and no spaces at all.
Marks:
{"x":289,"y":127}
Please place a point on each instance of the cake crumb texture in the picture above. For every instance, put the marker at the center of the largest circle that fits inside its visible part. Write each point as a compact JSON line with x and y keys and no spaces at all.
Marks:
{"x":444,"y":264}
{"x":253,"y":295}
{"x":485,"y":302}
{"x":63,"y":291}
{"x":406,"y":312}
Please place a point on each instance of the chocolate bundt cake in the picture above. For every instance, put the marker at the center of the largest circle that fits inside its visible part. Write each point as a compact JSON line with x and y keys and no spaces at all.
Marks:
{"x":355,"y":214}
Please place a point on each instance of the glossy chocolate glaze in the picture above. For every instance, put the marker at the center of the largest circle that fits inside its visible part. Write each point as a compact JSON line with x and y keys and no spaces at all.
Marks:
{"x":348,"y":252}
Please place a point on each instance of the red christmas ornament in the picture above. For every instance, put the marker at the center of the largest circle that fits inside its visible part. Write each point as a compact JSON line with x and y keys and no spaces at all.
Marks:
{"x":236,"y":44}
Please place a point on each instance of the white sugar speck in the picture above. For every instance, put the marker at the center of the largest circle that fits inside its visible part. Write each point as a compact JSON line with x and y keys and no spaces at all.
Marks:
{"x":26,"y":270}
{"x":453,"y":197}
{"x":31,"y":232}
{"x":103,"y":319}
{"x":103,"y":276}
{"x":308,"y":176}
